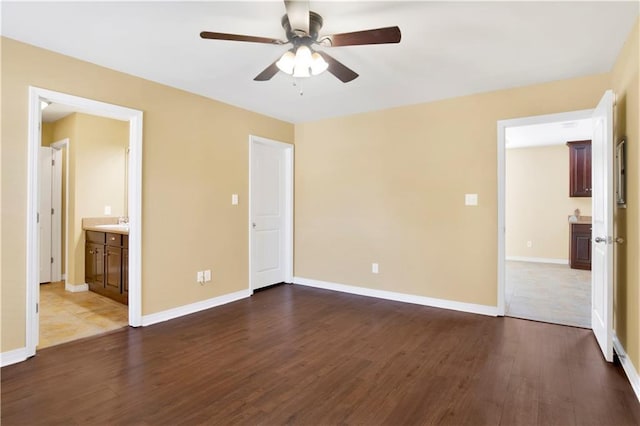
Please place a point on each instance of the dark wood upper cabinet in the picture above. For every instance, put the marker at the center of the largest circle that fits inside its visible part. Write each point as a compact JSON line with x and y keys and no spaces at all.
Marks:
{"x":579,"y":168}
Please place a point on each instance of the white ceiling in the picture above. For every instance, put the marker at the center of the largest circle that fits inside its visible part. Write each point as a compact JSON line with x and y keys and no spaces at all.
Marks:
{"x":448,"y":49}
{"x":557,"y":133}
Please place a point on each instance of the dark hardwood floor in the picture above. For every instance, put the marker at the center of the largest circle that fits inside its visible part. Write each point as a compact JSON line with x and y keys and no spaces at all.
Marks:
{"x":297,"y":355}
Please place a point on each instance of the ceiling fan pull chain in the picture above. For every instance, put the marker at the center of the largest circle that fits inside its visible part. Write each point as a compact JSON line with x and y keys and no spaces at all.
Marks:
{"x":297,"y":83}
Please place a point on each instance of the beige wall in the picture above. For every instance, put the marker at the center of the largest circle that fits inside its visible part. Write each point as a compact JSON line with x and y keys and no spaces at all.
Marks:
{"x":389,"y":187}
{"x":195,"y":155}
{"x":538,"y":203}
{"x":97,"y":155}
{"x":625,"y":80}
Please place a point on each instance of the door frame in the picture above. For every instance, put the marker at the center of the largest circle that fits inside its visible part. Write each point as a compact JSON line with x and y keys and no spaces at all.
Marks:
{"x":288,"y":154}
{"x":134,"y":117}
{"x":502,"y":126}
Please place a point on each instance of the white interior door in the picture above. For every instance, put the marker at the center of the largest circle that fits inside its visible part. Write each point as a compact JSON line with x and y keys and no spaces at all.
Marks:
{"x":269,"y":257}
{"x":44,"y":212}
{"x":56,"y":216}
{"x":602,"y":227}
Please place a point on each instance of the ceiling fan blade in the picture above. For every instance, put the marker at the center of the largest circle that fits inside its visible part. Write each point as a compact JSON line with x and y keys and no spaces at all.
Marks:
{"x":298,"y":14}
{"x":344,"y":73}
{"x":239,"y":37}
{"x":268,"y":73}
{"x":376,"y":36}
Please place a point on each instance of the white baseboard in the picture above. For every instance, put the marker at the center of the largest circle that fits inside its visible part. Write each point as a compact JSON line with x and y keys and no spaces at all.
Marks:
{"x":400,"y":297}
{"x":194,"y":307}
{"x":627,"y":365}
{"x":538,"y":260}
{"x":76,"y":288}
{"x":13,"y":357}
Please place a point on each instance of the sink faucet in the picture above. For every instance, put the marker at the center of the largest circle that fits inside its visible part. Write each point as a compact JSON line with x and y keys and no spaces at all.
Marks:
{"x":123,"y":220}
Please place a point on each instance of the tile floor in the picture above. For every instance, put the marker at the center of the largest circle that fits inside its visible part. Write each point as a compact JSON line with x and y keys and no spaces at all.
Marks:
{"x":549,"y":293}
{"x":66,"y":316}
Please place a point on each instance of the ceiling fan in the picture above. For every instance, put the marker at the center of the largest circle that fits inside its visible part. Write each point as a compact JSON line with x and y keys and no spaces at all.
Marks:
{"x":302,"y":28}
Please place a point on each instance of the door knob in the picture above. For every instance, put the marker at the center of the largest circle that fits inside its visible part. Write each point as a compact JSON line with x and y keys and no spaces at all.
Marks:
{"x":253,"y":224}
{"x":600,"y":240}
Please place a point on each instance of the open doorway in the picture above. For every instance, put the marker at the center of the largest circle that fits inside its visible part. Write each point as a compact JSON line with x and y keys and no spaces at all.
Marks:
{"x":83,"y":175}
{"x":40,"y":99}
{"x":540,"y":280}
{"x":548,"y":225}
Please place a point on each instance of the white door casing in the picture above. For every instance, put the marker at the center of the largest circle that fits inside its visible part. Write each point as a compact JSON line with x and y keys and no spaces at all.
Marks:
{"x":270,"y":216}
{"x":602,"y":225}
{"x":134,"y":118}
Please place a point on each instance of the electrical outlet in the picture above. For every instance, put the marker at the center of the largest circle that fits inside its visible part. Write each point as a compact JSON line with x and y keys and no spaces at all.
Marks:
{"x":207,"y":275}
{"x":374,"y":268}
{"x":234,"y":199}
{"x":200,"y":277}
{"x":529,"y":244}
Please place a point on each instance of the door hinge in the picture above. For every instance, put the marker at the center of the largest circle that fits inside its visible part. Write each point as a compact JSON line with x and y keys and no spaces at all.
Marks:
{"x":38,"y":217}
{"x":37,"y":308}
{"x":53,"y":162}
{"x":52,"y":260}
{"x":52,"y":210}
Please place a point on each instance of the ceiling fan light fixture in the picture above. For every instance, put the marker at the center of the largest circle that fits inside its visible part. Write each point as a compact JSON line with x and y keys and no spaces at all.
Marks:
{"x":301,"y":71}
{"x":318,"y":64}
{"x":287,"y":62}
{"x":303,"y":56}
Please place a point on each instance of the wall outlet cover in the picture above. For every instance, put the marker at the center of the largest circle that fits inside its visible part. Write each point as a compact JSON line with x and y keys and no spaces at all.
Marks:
{"x":470,"y":199}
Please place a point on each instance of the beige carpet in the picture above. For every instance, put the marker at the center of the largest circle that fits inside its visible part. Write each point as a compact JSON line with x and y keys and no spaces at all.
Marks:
{"x":548,"y":292}
{"x":66,"y":316}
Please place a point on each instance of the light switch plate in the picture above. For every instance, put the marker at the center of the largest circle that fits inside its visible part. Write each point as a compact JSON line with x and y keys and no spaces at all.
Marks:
{"x":107,"y":210}
{"x":234,"y":199}
{"x":374,"y":268}
{"x":207,"y":275}
{"x":470,"y":199}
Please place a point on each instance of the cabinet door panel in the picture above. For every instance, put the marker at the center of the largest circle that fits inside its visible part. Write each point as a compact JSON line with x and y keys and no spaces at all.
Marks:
{"x":580,"y":168}
{"x":114,"y":270}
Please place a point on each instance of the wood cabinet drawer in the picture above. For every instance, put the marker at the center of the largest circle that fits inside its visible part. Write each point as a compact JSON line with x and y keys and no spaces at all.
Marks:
{"x":95,"y":237}
{"x":114,"y":239}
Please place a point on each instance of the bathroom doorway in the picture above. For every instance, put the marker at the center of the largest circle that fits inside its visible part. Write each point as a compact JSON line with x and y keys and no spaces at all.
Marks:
{"x":39,"y":100}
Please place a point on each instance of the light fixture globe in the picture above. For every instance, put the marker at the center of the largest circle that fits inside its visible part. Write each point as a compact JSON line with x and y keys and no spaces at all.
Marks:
{"x":287,"y":62}
{"x":318,"y":64}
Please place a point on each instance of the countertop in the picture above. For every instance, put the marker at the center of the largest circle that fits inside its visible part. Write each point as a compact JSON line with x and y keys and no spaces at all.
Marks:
{"x":582,"y":220}
{"x":105,"y":224}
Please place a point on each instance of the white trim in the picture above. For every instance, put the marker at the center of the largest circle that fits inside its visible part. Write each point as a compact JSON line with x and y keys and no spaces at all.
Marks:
{"x":134,"y":117}
{"x":63,"y":277}
{"x":399,"y":297}
{"x":627,"y":365}
{"x":502,"y":126}
{"x":76,"y":288}
{"x":538,"y":260}
{"x":288,"y":150}
{"x":194,"y":307}
{"x":13,"y":357}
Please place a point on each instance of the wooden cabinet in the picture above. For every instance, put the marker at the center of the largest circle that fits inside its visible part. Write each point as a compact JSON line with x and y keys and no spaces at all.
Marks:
{"x":107,"y":264}
{"x":580,"y":250}
{"x":579,"y":168}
